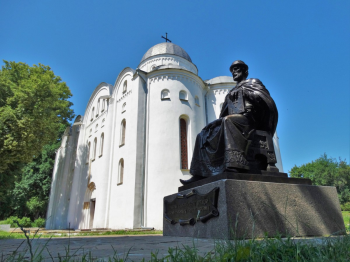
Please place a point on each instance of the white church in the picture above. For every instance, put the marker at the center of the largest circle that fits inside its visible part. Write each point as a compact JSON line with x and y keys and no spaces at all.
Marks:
{"x":133,"y":143}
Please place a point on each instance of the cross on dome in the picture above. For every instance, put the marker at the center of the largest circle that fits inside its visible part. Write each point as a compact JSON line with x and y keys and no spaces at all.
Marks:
{"x":166,"y":38}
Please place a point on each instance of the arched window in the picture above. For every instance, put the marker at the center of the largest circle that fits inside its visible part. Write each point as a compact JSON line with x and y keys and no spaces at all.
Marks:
{"x":98,"y":107}
{"x":125,"y":86}
{"x":92,"y":113}
{"x":183,"y":95}
{"x":88,"y":153}
{"x":94,"y":149}
{"x":196,"y":100}
{"x":122,"y":133}
{"x":153,"y":67}
{"x":165,"y":94}
{"x":103,"y":105}
{"x":183,"y":143}
{"x":101,"y":143}
{"x":120,"y":172}
{"x":96,"y":127}
{"x":123,"y":107}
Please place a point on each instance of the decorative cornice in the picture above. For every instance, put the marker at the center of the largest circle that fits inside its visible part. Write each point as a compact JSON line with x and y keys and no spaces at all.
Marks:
{"x":124,"y":95}
{"x":168,"y":59}
{"x":181,"y":78}
{"x":221,"y":91}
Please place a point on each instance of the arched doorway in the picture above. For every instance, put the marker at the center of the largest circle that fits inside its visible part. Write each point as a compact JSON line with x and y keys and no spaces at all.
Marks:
{"x":88,"y":213}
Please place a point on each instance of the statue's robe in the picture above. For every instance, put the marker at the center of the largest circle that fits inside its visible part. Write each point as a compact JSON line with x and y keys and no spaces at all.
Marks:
{"x":223,"y":144}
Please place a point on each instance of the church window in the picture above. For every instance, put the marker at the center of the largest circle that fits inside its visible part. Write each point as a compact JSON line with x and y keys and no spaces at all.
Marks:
{"x":98,"y":107}
{"x":92,"y":113}
{"x":122,"y":133}
{"x":96,"y":127}
{"x":103,"y":122}
{"x":196,"y":100}
{"x":90,"y":132}
{"x":120,"y":172}
{"x":88,"y":153}
{"x":103,"y":105}
{"x":183,"y":144}
{"x":165,"y":94}
{"x":123,"y":107}
{"x":94,"y":149}
{"x":101,"y":143}
{"x":153,"y":67}
{"x":183,"y":95}
{"x":125,"y":86}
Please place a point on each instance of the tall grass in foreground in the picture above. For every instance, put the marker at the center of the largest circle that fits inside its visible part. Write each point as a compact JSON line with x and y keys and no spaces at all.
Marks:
{"x":267,"y":249}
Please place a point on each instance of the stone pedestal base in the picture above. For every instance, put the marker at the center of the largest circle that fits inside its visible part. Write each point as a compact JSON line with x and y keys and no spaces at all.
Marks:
{"x":250,"y":209}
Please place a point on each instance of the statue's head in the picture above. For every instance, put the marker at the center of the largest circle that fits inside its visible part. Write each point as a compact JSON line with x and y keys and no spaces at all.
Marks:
{"x":239,"y":70}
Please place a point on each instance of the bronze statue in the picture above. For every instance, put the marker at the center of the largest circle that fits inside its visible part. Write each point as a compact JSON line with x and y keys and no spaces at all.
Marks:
{"x":224,"y":145}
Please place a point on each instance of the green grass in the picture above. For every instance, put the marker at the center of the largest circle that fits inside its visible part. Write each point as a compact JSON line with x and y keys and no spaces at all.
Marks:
{"x":7,"y":235}
{"x":267,"y":249}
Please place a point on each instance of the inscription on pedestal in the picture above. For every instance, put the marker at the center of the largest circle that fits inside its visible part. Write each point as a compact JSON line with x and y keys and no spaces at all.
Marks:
{"x":193,"y":207}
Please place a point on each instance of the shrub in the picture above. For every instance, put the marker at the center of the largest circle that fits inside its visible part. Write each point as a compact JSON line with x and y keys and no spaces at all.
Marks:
{"x":24,"y":221}
{"x":40,"y":222}
{"x":345,"y":206}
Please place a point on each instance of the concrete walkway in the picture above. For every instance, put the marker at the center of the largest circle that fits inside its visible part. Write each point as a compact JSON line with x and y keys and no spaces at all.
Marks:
{"x":139,"y":247}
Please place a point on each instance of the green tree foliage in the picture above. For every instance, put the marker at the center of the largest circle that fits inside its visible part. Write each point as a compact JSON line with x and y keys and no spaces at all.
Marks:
{"x":34,"y":111}
{"x":33,"y":105}
{"x":326,"y":171}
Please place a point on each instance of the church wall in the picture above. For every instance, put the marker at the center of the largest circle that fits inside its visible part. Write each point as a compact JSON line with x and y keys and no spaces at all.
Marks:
{"x":62,"y":181}
{"x":99,"y":164}
{"x":216,"y":97}
{"x":121,"y":202}
{"x":93,"y":126}
{"x":163,"y":136}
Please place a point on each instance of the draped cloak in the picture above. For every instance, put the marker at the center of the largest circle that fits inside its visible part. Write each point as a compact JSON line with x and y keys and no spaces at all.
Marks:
{"x":223,"y":143}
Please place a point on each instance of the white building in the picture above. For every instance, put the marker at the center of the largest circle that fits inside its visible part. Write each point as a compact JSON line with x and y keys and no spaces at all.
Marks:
{"x":134,"y":143}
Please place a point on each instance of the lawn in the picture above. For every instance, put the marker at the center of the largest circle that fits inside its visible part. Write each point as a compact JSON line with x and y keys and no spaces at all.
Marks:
{"x":6,"y":235}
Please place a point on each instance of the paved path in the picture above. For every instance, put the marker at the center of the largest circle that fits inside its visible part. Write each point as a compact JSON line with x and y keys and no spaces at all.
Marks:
{"x":102,"y":246}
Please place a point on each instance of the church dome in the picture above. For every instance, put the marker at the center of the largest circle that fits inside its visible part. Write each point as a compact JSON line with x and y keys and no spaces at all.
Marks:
{"x":166,"y":48}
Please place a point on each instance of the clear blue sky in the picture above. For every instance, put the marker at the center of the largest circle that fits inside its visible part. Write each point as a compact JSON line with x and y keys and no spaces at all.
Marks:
{"x":300,"y":50}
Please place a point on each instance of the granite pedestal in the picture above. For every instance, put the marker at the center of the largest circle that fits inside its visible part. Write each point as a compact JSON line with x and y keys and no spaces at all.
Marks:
{"x":250,"y":209}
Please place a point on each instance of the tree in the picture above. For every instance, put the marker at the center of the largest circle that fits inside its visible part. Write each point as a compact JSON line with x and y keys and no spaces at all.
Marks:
{"x":33,"y":108}
{"x":33,"y":105}
{"x":326,"y":171}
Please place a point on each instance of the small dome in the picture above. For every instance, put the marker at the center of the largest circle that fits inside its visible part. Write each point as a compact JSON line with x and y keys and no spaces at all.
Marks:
{"x":166,"y":48}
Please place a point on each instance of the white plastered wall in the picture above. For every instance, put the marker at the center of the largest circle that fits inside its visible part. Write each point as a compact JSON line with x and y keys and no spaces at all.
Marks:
{"x":121,"y":197}
{"x":163,"y":169}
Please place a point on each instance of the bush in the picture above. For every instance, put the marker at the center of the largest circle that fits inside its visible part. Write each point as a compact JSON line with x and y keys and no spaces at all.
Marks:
{"x":40,"y":222}
{"x":345,"y":206}
{"x":24,"y":221}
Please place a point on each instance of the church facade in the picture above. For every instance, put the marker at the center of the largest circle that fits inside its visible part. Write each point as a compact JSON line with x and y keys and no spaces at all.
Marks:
{"x":134,"y":143}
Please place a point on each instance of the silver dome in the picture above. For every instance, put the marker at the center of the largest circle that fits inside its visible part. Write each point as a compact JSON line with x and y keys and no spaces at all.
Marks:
{"x":166,"y":48}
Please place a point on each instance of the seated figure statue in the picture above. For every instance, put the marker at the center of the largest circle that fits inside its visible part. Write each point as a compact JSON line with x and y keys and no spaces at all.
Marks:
{"x":223,"y":144}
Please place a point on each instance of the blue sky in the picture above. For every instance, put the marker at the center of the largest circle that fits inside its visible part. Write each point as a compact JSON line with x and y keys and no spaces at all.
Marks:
{"x":300,"y":50}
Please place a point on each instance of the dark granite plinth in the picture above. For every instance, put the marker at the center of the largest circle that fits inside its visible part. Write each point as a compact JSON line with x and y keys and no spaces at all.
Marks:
{"x":273,"y":177}
{"x":252,"y":209}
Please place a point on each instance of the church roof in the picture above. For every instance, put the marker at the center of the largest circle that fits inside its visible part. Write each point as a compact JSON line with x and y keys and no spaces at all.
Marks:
{"x":166,"y":48}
